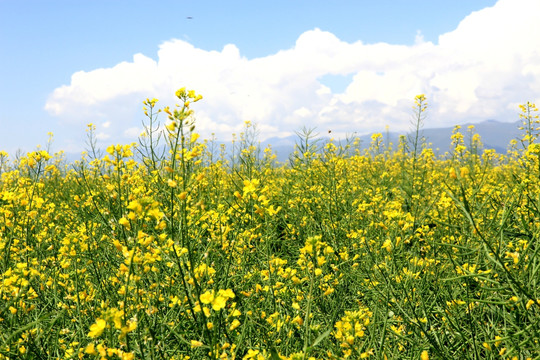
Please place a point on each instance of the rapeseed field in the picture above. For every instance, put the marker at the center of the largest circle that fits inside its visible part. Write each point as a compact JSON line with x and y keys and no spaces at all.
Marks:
{"x":175,"y":248}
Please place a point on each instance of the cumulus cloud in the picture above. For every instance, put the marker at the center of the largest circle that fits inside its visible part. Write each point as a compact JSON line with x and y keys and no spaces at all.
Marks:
{"x":480,"y":70}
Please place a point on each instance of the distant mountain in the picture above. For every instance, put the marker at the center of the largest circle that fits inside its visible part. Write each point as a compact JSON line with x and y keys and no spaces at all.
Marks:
{"x":494,"y":135}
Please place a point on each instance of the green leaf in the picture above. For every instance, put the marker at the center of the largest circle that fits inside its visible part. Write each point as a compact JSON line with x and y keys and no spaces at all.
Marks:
{"x":321,"y":337}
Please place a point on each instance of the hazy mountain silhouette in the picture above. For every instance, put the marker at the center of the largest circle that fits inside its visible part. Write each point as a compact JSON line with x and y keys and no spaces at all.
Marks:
{"x":494,"y":135}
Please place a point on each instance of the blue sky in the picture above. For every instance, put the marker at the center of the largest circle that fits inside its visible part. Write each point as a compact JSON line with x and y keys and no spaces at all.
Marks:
{"x":353,"y":66}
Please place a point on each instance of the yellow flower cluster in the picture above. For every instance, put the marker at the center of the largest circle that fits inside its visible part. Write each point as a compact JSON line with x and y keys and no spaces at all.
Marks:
{"x":344,"y":252}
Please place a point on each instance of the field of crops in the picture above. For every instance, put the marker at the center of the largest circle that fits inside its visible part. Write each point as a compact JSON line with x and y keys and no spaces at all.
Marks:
{"x":175,"y":248}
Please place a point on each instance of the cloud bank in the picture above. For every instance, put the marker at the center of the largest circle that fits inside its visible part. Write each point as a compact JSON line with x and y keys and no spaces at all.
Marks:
{"x":483,"y":69}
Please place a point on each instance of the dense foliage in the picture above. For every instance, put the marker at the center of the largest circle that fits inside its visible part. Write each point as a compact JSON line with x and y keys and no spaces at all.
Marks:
{"x":173,"y":249}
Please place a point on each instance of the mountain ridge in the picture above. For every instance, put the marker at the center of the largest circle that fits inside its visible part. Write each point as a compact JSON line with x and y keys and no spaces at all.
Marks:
{"x":494,"y":135}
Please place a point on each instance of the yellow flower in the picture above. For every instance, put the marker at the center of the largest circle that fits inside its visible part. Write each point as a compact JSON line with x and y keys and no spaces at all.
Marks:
{"x":328,"y":291}
{"x":251,"y":354}
{"x":234,"y":324}
{"x":131,"y":325}
{"x":123,"y":268}
{"x":124,"y":222}
{"x":227,"y":293}
{"x":171,"y":183}
{"x":219,"y":303}
{"x":206,"y":311}
{"x":102,"y":350}
{"x":182,"y":195}
{"x":97,"y":328}
{"x":180,"y":93}
{"x":424,"y":355}
{"x":135,"y":206}
{"x":207,"y":297}
{"x":196,"y":343}
{"x":125,"y":356}
{"x":172,"y":126}
{"x":387,"y":245}
{"x":90,"y":349}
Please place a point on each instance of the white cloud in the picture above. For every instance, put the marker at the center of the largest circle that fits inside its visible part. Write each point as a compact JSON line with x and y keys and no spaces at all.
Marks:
{"x":302,"y":112}
{"x":102,"y":136}
{"x":480,"y":70}
{"x":90,"y":88}
{"x":133,"y":132}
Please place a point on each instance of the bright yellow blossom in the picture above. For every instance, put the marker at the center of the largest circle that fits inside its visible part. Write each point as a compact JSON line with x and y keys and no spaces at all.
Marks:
{"x":97,"y":328}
